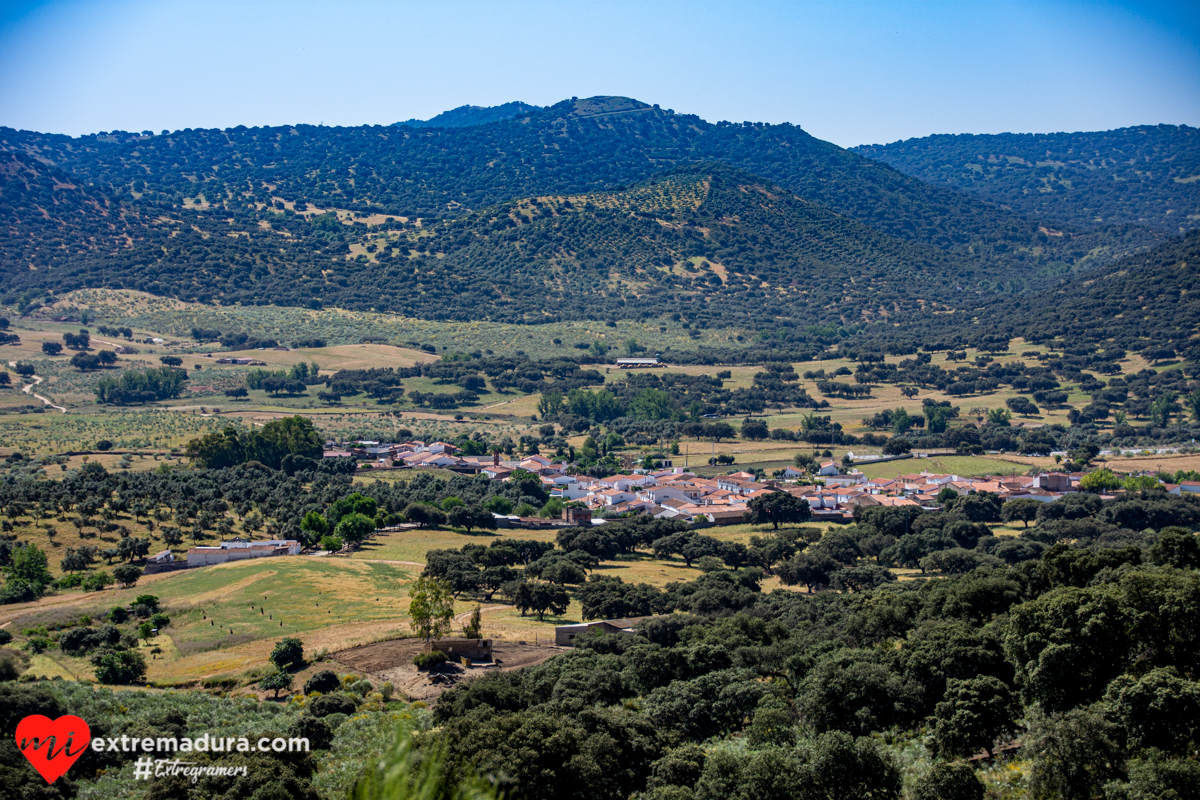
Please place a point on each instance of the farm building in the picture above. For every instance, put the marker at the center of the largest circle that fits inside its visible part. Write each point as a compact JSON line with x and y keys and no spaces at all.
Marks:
{"x":239,"y":550}
{"x":639,"y":363}
{"x":564,"y":635}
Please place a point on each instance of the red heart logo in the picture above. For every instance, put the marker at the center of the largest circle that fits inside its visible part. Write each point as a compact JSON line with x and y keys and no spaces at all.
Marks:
{"x":51,"y":744}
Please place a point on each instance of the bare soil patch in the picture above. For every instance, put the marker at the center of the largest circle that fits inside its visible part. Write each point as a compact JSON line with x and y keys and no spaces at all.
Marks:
{"x":392,"y":661}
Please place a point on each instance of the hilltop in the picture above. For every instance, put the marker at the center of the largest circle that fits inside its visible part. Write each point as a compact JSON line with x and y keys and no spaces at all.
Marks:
{"x":1147,"y":175}
{"x":465,"y":116}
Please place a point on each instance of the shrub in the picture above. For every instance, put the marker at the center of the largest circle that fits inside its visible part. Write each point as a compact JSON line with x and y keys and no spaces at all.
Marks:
{"x":328,"y":704}
{"x":331,"y":543}
{"x":17,"y":590}
{"x":948,"y":782}
{"x":276,"y":682}
{"x":317,"y":731}
{"x":127,"y":574}
{"x":77,"y":641}
{"x":12,"y":664}
{"x":97,"y":581}
{"x":324,"y":681}
{"x":354,"y":527}
{"x":430,"y":660}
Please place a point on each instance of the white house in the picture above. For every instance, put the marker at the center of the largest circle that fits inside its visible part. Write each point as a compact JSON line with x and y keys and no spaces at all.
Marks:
{"x":570,"y":491}
{"x":657,"y":494}
{"x":610,"y":497}
{"x":623,"y":482}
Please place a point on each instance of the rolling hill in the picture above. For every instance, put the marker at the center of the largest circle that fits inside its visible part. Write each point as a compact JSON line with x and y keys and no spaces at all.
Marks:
{"x":1148,"y":175}
{"x":708,"y":240}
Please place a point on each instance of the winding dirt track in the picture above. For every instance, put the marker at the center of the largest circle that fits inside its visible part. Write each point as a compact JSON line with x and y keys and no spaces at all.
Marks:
{"x":29,"y":390}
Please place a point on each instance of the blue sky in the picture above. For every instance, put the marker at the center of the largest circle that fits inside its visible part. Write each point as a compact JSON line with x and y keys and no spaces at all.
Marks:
{"x":850,"y":72}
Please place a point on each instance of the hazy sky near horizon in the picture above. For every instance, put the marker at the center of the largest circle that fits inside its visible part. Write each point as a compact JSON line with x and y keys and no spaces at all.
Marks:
{"x":851,"y":72}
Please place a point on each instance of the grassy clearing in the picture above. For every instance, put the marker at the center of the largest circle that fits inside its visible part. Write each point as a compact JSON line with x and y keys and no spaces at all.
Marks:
{"x":176,"y":319}
{"x":126,"y":429}
{"x":966,"y":466}
{"x":226,"y":619}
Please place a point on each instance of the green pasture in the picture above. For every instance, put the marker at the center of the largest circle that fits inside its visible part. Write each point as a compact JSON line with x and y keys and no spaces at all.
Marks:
{"x":966,"y":466}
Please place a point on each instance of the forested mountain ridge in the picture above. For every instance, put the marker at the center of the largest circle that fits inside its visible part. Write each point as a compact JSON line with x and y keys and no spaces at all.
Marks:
{"x":1145,"y":175}
{"x":464,"y":116}
{"x":575,"y":146}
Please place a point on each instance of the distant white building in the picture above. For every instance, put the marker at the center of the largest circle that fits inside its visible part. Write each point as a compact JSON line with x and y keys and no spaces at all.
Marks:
{"x":639,"y":363}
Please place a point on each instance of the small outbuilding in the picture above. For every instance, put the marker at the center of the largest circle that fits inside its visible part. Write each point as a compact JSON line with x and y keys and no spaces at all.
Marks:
{"x":564,"y":635}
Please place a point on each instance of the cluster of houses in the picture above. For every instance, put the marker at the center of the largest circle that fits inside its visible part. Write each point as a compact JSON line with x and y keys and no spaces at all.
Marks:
{"x":665,"y":494}
{"x":843,"y":492}
{"x":672,"y":493}
{"x":675,"y":493}
{"x":386,"y":455}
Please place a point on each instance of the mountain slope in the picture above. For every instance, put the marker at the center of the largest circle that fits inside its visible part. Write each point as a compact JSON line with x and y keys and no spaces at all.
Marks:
{"x":1148,"y":175}
{"x":725,"y":244}
{"x":465,"y":116}
{"x":47,"y":217}
{"x":1147,"y":298}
